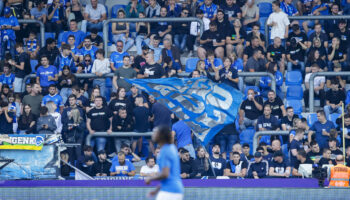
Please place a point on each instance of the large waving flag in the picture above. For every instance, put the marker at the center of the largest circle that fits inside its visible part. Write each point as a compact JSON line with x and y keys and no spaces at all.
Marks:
{"x":204,"y":105}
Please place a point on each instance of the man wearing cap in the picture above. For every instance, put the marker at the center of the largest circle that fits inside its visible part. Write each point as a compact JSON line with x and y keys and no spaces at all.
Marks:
{"x":102,"y":166}
{"x":279,"y":166}
{"x":259,"y":168}
{"x":9,"y":24}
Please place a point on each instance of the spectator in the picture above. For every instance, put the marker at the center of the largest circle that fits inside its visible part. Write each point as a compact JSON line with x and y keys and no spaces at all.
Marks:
{"x":33,"y":99}
{"x":124,"y":72}
{"x":95,"y":93}
{"x":337,"y":55}
{"x":74,"y":49}
{"x":250,"y":14}
{"x":217,"y":162}
{"x":279,"y":22}
{"x":183,"y":136}
{"x":65,"y":59}
{"x":46,"y":75}
{"x":71,"y":104}
{"x":81,"y":101}
{"x":129,"y":155}
{"x":96,"y":39}
{"x":143,"y":30}
{"x":100,"y":67}
{"x":181,"y":31}
{"x":22,"y":67}
{"x":121,"y":32}
{"x":133,"y":94}
{"x":276,"y":103}
{"x":7,"y":78}
{"x":27,"y":121}
{"x":88,"y":49}
{"x":249,"y":52}
{"x":133,"y":9}
{"x":236,"y":167}
{"x":86,"y":160}
{"x":54,"y":97}
{"x":209,"y":9}
{"x":279,"y":166}
{"x":211,"y":62}
{"x":235,"y":38}
{"x":250,"y":110}
{"x":56,"y":19}
{"x":302,"y":159}
{"x":117,"y":57}
{"x":342,"y":33}
{"x":288,"y":7}
{"x":346,"y":128}
{"x":75,"y":12}
{"x":162,"y":28}
{"x":151,"y":69}
{"x":295,"y":55}
{"x":6,"y":119}
{"x":120,"y":102}
{"x":151,"y":168}
{"x":315,"y":154}
{"x":246,"y":151}
{"x":46,"y":123}
{"x":319,"y":83}
{"x":256,"y":34}
{"x":122,"y":122}
{"x":276,"y":53}
{"x":296,"y":145}
{"x":259,"y":168}
{"x":9,"y":24}
{"x":316,"y":57}
{"x":32,"y":46}
{"x":265,"y":81}
{"x":50,"y":51}
{"x":326,"y":158}
{"x":331,"y":26}
{"x":122,"y":167}
{"x":94,"y":15}
{"x":186,"y":164}
{"x":321,"y":128}
{"x":173,"y":52}
{"x":227,"y":74}
{"x":66,"y":81}
{"x":332,"y":144}
{"x":267,"y":121}
{"x":334,"y":99}
{"x":102,"y":166}
{"x":318,"y":34}
{"x":52,"y":110}
{"x":304,"y":7}
{"x":174,"y":9}
{"x":141,"y":116}
{"x":99,"y":119}
{"x":201,"y":163}
{"x":152,"y":10}
{"x":39,"y":12}
{"x":211,"y":40}
{"x":298,"y":35}
{"x":287,"y":121}
{"x":73,"y":30}
{"x":161,"y":115}
{"x":195,"y":31}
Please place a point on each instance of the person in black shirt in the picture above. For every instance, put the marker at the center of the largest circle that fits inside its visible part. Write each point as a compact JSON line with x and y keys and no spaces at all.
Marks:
{"x":332,"y":143}
{"x":140,"y":60}
{"x":96,"y":40}
{"x":326,"y":158}
{"x":315,"y":154}
{"x":181,"y":31}
{"x":259,"y":168}
{"x":339,"y":121}
{"x":250,"y":110}
{"x":334,"y":99}
{"x":102,"y":166}
{"x":227,"y":74}
{"x":246,"y":151}
{"x":267,"y":121}
{"x":236,"y":167}
{"x":217,"y":162}
{"x":256,"y":33}
{"x":297,"y":34}
{"x":222,"y":23}
{"x":50,"y":50}
{"x":295,"y":55}
{"x":201,"y":163}
{"x":296,"y":145}
{"x":276,"y":53}
{"x":22,"y":67}
{"x":336,"y":54}
{"x":279,"y":166}
{"x":99,"y":119}
{"x":287,"y":121}
{"x":120,"y":101}
{"x":211,"y":39}
{"x":343,"y":34}
{"x":249,"y":50}
{"x":277,"y":105}
{"x":235,"y":38}
{"x":151,"y":69}
{"x":122,"y":122}
{"x":231,"y":9}
{"x":302,"y":159}
{"x":186,"y":164}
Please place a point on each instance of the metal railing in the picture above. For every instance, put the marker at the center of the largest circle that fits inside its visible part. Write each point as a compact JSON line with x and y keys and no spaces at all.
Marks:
{"x":311,"y":84}
{"x":42,"y":28}
{"x":165,"y":19}
{"x":115,"y":134}
{"x":261,"y":133}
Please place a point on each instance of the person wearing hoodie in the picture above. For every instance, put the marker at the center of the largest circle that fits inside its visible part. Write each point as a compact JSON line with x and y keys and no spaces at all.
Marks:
{"x":186,"y":164}
{"x":122,"y":123}
{"x":102,"y":166}
{"x":46,"y":123}
{"x":259,"y":168}
{"x":201,"y":163}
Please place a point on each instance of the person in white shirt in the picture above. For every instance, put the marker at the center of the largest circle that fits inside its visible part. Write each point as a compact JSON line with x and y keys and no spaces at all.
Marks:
{"x":151,"y":168}
{"x":195,"y":30}
{"x":319,"y":83}
{"x":279,"y":22}
{"x":94,"y":15}
{"x":100,"y":67}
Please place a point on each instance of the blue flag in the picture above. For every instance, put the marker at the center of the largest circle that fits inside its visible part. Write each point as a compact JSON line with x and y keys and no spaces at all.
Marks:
{"x":204,"y":105}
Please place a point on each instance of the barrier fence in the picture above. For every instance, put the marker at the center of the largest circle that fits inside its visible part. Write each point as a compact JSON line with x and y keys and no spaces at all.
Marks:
{"x":42,"y":28}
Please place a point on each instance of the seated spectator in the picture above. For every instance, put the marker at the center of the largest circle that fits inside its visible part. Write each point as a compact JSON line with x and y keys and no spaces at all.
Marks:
{"x":277,"y":105}
{"x":296,"y":145}
{"x":279,"y":22}
{"x":296,"y":55}
{"x":209,"y":9}
{"x":235,"y":38}
{"x":256,"y":63}
{"x":256,"y":34}
{"x":304,"y":7}
{"x":86,"y":160}
{"x":46,"y":75}
{"x":265,"y":81}
{"x":301,"y":159}
{"x":32,"y":45}
{"x":74,"y":49}
{"x":94,"y":15}
{"x":318,"y":34}
{"x":129,"y":155}
{"x":186,"y":164}
{"x":163,"y":29}
{"x":75,"y":12}
{"x":54,"y":97}
{"x":200,"y":68}
{"x":153,"y":44}
{"x":181,"y":31}
{"x":201,"y":163}
{"x":236,"y":167}
{"x":56,"y":19}
{"x":143,"y":30}
{"x":52,"y":110}
{"x":9,"y":24}
{"x":227,"y":74}
{"x":319,"y":83}
{"x":46,"y":123}
{"x":7,"y":78}
{"x":122,"y":167}
{"x":122,"y":122}
{"x":330,"y":26}
{"x":315,"y":57}
{"x":100,"y":67}
{"x":267,"y":121}
{"x":342,"y":32}
{"x":66,"y":81}
{"x":332,"y":144}
{"x":195,"y":31}
{"x":117,"y":57}
{"x":279,"y":166}
{"x":334,"y":99}
{"x":151,"y":168}
{"x":65,"y":59}
{"x":319,"y":8}
{"x":315,"y":154}
{"x":337,"y":55}
{"x":152,"y":10}
{"x":39,"y":12}
{"x":174,"y":9}
{"x":96,"y":39}
{"x":27,"y":121}
{"x":213,"y":40}
{"x":211,"y":62}
{"x":326,"y":158}
{"x":250,"y":110}
{"x":259,"y":168}
{"x":151,"y":69}
{"x":232,"y":10}
{"x":321,"y":128}
{"x":255,"y":44}
{"x":288,"y":7}
{"x":121,"y":31}
{"x":88,"y":49}
{"x":287,"y":121}
{"x":276,"y":53}
{"x":223,"y":24}
{"x":73,"y":30}
{"x":246,"y":151}
{"x":217,"y":162}
{"x":133,"y":9}
{"x":250,"y":14}
{"x":102,"y":166}
{"x":173,"y":52}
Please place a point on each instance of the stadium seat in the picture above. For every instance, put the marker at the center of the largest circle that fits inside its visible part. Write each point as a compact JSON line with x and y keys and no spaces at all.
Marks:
{"x":296,"y":104}
{"x":262,"y":21}
{"x":60,"y":39}
{"x":49,"y":35}
{"x":191,"y":64}
{"x":294,"y":78}
{"x":311,"y":119}
{"x":333,"y":117}
{"x":294,"y":92}
{"x":33,"y":64}
{"x":246,"y":136}
{"x":115,"y":9}
{"x":265,"y":9}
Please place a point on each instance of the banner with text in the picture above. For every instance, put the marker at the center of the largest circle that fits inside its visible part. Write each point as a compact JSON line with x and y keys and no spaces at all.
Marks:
{"x":22,"y":142}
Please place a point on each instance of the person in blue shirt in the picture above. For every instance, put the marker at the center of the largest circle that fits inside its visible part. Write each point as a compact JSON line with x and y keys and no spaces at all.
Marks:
{"x":88,"y":48}
{"x":288,"y":7}
{"x":116,"y":57}
{"x":9,"y":24}
{"x":56,"y":19}
{"x":320,"y":8}
{"x":321,"y":128}
{"x":54,"y":97}
{"x":171,"y":187}
{"x":228,"y":74}
{"x":211,"y":61}
{"x":7,"y":77}
{"x":46,"y":75}
{"x":265,"y":81}
{"x":210,"y":10}
{"x":78,"y":34}
{"x":65,"y":59}
{"x":122,"y":167}
{"x":76,"y":53}
{"x":182,"y":134}
{"x":174,"y":9}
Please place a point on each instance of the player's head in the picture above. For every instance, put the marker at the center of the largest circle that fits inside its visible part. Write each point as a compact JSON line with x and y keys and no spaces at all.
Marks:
{"x":162,"y":134}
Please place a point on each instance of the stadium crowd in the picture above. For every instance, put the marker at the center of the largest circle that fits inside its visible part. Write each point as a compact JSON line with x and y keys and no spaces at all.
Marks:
{"x":57,"y":102}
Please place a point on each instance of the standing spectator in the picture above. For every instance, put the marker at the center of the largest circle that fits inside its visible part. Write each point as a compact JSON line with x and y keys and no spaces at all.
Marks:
{"x":54,"y":97}
{"x":9,"y":24}
{"x":39,"y":13}
{"x":95,"y":93}
{"x":65,"y":59}
{"x":302,"y":159}
{"x":102,"y":166}
{"x":256,"y":63}
{"x":73,"y":30}
{"x":334,"y":99}
{"x":151,"y":168}
{"x":122,"y":167}
{"x":7,"y":78}
{"x":218,"y":163}
{"x":94,"y":15}
{"x":120,"y":102}
{"x":56,"y":18}
{"x":122,"y":73}
{"x":133,"y":9}
{"x":151,"y":69}
{"x":182,"y":134}
{"x":6,"y":119}
{"x":117,"y":57}
{"x":173,"y":52}
{"x":46,"y":123}
{"x":296,"y":55}
{"x":88,"y":49}
{"x":75,"y":12}
{"x":152,"y":10}
{"x":235,"y":39}
{"x":265,"y":81}
{"x":250,"y":110}
{"x":211,"y":40}
{"x":276,"y":53}
{"x":52,"y":110}
{"x":287,"y":121}
{"x":259,"y":168}
{"x":50,"y":51}
{"x":100,"y":67}
{"x":210,"y":9}
{"x":236,"y":167}
{"x":343,"y":34}
{"x":99,"y":119}
{"x":201,"y":163}
{"x":331,"y":26}
{"x":33,"y":99}
{"x":181,"y":31}
{"x":121,"y":31}
{"x":65,"y":83}
{"x":336,"y":55}
{"x":186,"y":164}
{"x":143,"y":30}
{"x":141,"y":117}
{"x":267,"y":121}
{"x":277,"y":105}
{"x":27,"y":121}
{"x":296,"y":145}
{"x":122,"y":122}
{"x":288,"y":7}
{"x":279,"y":166}
{"x":319,"y":83}
{"x":153,"y":44}
{"x":195,"y":30}
{"x":321,"y":128}
{"x":279,"y":22}
{"x":22,"y":67}
{"x":46,"y":75}
{"x":162,"y":28}
{"x":250,"y":14}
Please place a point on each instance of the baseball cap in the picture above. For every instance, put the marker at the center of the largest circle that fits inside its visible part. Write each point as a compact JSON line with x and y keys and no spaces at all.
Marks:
{"x":7,"y":10}
{"x":257,"y":155}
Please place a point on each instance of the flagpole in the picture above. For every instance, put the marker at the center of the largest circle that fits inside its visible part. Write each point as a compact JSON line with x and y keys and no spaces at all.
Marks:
{"x":343,"y":124}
